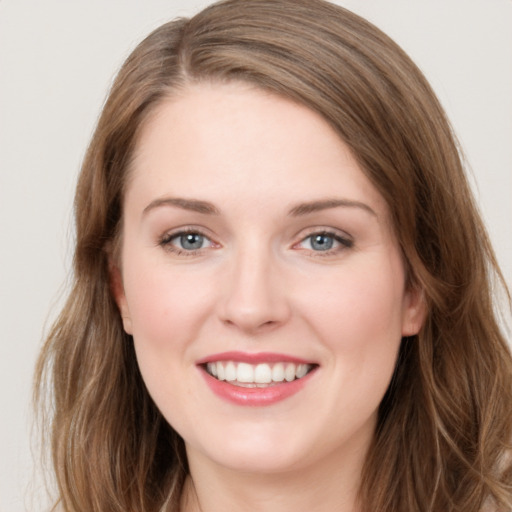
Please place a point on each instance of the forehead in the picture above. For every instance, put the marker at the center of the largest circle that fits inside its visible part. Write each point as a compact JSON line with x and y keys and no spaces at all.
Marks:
{"x":218,"y":140}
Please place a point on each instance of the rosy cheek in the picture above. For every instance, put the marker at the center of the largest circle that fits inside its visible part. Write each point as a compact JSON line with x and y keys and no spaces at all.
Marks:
{"x":166,"y":304}
{"x":360,"y":310}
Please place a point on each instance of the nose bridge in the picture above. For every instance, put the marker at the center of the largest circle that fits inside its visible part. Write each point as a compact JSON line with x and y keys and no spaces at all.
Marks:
{"x":254,"y":297}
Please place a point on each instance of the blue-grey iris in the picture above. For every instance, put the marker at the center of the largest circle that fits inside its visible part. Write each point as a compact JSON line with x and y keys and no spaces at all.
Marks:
{"x":322,"y":242}
{"x":191,"y":241}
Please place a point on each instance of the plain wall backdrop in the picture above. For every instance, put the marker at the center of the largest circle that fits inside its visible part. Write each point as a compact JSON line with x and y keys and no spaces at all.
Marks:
{"x":57,"y":60}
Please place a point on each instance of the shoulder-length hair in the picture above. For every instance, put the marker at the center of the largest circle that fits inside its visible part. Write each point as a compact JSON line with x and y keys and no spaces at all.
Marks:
{"x":444,"y":426}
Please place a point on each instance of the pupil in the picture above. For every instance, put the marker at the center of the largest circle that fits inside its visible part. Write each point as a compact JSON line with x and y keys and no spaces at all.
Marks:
{"x":191,"y":241}
{"x":322,"y":242}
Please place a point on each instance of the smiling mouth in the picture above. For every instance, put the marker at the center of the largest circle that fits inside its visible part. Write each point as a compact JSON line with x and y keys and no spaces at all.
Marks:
{"x":259,"y":375}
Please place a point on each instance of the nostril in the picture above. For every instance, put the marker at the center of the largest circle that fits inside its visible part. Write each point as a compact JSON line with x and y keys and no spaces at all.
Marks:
{"x":251,"y":324}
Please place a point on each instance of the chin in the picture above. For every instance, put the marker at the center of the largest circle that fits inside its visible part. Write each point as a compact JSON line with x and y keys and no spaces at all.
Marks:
{"x":258,"y":448}
{"x":252,"y":459}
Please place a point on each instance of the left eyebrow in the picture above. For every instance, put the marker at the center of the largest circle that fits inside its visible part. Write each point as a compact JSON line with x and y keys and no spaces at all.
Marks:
{"x":325,"y":204}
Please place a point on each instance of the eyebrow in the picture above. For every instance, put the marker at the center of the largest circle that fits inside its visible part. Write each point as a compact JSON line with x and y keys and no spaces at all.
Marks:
{"x":207,"y":208}
{"x":193,"y":205}
{"x":325,"y":204}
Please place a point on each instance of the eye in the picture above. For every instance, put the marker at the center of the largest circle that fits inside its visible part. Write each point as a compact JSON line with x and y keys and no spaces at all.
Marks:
{"x":190,"y":241}
{"x":321,"y":242}
{"x":325,"y":242}
{"x":185,"y":242}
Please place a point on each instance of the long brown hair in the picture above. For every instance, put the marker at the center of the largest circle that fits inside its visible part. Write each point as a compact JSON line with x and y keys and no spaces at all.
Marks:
{"x":442,"y":440}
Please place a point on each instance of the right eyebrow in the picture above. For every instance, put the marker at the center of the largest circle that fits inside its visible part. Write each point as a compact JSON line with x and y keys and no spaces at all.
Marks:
{"x":194,"y":205}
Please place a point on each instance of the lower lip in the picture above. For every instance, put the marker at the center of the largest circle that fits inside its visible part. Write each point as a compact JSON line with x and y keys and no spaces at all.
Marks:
{"x":255,"y":396}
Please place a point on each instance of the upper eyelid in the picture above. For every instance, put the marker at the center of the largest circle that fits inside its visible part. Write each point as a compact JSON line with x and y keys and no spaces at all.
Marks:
{"x":172,"y":236}
{"x":336,"y":232}
{"x":183,"y":230}
{"x":345,"y":241}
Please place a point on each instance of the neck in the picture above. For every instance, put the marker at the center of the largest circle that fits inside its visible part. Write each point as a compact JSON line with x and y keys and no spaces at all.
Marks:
{"x":331,"y":485}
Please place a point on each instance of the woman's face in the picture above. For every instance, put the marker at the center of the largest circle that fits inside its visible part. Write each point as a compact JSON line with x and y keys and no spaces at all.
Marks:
{"x":261,"y":281}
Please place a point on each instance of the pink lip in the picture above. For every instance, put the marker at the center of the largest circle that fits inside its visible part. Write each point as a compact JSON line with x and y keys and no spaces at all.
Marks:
{"x":254,"y":396}
{"x":259,"y":357}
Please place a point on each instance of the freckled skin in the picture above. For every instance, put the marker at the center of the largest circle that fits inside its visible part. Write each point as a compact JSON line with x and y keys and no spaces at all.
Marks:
{"x":257,"y":284}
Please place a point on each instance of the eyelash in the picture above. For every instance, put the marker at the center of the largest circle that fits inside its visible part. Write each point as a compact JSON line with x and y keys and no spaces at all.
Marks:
{"x":166,"y":242}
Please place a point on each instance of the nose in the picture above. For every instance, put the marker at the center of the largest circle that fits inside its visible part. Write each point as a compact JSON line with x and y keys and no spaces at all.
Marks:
{"x":254,"y":296}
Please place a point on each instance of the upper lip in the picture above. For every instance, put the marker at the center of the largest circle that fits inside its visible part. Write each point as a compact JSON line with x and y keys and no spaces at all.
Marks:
{"x":253,"y":358}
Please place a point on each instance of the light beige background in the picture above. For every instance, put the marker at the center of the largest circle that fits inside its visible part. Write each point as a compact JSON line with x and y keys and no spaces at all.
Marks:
{"x":57,"y":59}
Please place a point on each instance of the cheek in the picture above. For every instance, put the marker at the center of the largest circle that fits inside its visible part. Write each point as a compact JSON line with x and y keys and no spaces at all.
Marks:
{"x":359,"y":312}
{"x":160,"y":298}
{"x":359,"y":321}
{"x":167,"y":309}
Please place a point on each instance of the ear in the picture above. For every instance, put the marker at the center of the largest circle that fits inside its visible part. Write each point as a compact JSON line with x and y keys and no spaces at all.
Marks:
{"x":414,"y":312}
{"x":117,"y":290}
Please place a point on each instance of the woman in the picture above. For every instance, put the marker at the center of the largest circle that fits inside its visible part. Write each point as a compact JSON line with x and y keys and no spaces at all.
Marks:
{"x":282,"y":294}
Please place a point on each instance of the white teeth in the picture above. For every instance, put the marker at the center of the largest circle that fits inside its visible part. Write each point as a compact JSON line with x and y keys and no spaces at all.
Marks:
{"x":289,"y":372}
{"x":212,"y":369}
{"x":245,"y":373}
{"x":230,"y":370}
{"x":259,"y":375}
{"x":301,"y":371}
{"x":278,"y":372}
{"x":262,"y":374}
